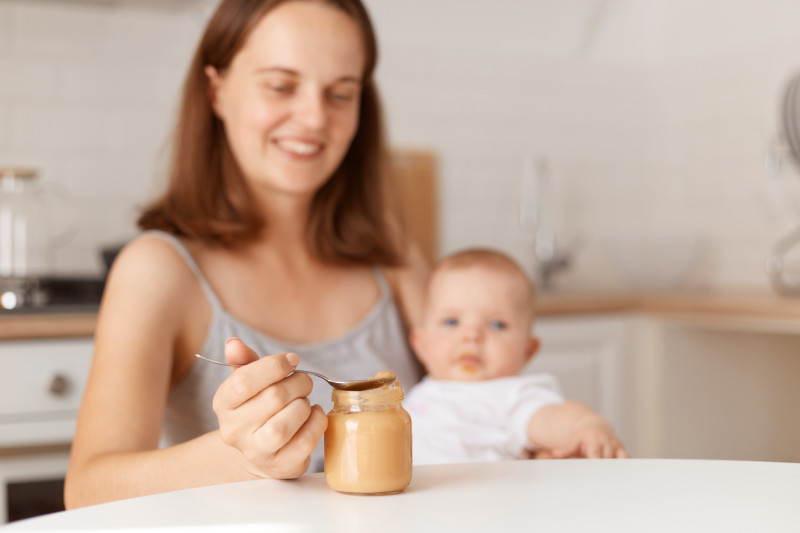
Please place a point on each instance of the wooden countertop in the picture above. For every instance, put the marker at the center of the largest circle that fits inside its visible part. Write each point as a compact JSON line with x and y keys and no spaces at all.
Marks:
{"x":47,"y":325}
{"x":720,"y":305}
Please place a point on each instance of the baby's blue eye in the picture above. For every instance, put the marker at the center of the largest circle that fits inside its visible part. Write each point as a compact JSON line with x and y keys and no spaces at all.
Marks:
{"x":497,"y":324}
{"x":450,"y":322}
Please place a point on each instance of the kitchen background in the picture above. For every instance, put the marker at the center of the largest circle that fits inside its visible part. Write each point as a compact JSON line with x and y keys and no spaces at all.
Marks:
{"x":647,"y":123}
{"x":651,"y":119}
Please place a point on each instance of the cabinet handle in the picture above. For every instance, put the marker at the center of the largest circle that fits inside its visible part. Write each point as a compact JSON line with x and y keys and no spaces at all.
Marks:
{"x":59,"y":385}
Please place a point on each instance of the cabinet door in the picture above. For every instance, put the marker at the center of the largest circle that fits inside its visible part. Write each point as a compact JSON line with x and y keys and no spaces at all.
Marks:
{"x":588,"y":354}
{"x":41,"y":385}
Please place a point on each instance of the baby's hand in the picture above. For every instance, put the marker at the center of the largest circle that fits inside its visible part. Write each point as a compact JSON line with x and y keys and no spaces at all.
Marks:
{"x":594,"y":438}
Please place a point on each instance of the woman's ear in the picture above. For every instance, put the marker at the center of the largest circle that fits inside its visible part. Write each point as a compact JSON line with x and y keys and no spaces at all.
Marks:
{"x":532,"y":348}
{"x":214,"y":81}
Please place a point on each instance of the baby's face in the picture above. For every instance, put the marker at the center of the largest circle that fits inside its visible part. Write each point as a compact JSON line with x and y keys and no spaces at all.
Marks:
{"x":476,"y":326}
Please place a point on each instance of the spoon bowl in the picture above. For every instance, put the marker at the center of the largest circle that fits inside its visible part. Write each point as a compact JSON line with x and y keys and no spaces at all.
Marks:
{"x":353,"y":385}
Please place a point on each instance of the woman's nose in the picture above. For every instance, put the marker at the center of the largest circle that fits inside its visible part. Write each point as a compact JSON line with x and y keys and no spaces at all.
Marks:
{"x":310,"y":109}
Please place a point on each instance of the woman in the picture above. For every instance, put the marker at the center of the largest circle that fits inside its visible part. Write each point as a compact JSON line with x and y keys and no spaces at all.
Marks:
{"x":273,"y":230}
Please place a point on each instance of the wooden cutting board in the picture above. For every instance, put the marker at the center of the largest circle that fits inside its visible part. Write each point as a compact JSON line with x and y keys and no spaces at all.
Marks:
{"x":415,"y":172}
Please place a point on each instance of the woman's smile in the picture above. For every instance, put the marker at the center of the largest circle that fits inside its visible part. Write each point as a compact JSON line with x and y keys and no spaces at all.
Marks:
{"x":302,"y":149}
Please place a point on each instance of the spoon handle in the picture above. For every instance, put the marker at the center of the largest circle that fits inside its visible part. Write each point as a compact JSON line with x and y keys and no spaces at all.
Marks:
{"x":223,"y":363}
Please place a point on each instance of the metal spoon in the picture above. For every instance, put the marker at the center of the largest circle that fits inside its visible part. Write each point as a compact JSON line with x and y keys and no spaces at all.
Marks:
{"x":354,"y":385}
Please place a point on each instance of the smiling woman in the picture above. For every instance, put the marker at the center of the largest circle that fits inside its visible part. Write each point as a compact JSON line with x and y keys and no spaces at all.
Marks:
{"x":274,"y":236}
{"x":254,"y":96}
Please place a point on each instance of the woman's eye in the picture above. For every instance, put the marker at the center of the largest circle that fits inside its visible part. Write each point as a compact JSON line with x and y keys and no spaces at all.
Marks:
{"x":498,"y":324}
{"x":450,"y":322}
{"x":280,"y":89}
{"x":342,"y":97}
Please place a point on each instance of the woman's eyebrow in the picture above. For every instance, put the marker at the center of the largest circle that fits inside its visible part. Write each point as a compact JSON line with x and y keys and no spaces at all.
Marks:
{"x":291,"y":72}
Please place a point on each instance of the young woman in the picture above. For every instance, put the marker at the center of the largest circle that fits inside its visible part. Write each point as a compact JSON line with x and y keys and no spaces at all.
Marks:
{"x":273,"y":239}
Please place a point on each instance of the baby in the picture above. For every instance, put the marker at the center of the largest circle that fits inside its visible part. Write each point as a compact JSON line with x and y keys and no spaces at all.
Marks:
{"x":474,"y":405}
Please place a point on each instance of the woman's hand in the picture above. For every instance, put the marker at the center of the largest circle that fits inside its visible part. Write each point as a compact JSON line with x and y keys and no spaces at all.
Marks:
{"x":266,"y":415}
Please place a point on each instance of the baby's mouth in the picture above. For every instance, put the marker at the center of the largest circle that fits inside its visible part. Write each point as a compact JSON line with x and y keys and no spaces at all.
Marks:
{"x":469,"y":362}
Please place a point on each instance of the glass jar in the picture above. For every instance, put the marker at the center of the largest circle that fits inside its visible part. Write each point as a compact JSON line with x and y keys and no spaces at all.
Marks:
{"x":368,"y":442}
{"x":34,"y":223}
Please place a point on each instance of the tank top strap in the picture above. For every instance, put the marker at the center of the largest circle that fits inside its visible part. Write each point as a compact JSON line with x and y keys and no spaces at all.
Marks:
{"x":191,"y":263}
{"x":386,"y":291}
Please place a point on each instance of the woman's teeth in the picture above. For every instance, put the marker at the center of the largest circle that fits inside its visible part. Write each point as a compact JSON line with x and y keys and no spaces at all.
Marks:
{"x":300,"y":148}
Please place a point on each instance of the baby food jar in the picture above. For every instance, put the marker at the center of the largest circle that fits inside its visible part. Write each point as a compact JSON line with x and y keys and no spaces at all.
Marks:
{"x":368,"y":441}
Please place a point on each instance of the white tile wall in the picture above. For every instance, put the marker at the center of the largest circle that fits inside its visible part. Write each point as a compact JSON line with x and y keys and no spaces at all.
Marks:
{"x":87,"y":95}
{"x":653,"y":116}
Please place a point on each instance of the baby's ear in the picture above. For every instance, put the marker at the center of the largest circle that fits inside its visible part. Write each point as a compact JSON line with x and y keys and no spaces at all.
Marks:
{"x":532,"y":348}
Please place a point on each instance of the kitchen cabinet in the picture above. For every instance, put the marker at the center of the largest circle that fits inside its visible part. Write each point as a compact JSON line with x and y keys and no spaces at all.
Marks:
{"x":702,"y":376}
{"x":590,"y":356}
{"x":43,"y":381}
{"x":41,"y":384}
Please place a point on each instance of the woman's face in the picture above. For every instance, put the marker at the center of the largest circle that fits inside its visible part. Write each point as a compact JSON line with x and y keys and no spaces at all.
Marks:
{"x":290,"y":98}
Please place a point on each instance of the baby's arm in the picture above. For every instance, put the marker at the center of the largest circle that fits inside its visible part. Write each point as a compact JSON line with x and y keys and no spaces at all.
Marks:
{"x":571,"y":429}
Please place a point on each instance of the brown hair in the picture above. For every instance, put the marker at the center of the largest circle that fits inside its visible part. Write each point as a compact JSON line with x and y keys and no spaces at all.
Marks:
{"x":207,"y":196}
{"x":491,"y":259}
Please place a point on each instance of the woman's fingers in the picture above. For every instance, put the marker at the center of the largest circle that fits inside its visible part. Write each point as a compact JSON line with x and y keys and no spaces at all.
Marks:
{"x":264,"y":412}
{"x":273,"y":405}
{"x":240,"y":423}
{"x":292,"y":459}
{"x":282,"y":428}
{"x":253,"y":378}
{"x":238,"y":353}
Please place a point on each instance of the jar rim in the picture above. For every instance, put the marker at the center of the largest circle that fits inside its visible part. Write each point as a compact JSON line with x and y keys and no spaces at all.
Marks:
{"x":392,"y":393}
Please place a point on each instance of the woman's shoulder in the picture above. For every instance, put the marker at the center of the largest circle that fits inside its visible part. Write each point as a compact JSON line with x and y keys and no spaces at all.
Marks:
{"x":150,"y":252}
{"x":152,"y":265}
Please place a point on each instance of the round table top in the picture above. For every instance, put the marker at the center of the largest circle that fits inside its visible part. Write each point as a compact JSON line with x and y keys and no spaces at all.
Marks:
{"x":641,"y":495}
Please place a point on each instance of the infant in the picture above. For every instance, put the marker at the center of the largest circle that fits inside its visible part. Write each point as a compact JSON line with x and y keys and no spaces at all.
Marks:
{"x":474,"y":405}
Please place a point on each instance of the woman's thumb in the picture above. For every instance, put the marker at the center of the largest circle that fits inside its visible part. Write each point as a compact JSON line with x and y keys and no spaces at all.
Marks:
{"x":238,"y":353}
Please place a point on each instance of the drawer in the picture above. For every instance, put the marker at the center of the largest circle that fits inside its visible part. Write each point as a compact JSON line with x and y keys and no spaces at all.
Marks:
{"x":42,"y":379}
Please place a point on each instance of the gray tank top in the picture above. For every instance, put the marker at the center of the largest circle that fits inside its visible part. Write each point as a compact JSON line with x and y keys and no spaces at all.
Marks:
{"x":377,"y":343}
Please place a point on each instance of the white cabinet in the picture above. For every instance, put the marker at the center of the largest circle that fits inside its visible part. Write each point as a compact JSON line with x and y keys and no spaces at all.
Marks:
{"x":682,"y":385}
{"x":590,"y":356}
{"x":41,"y":384}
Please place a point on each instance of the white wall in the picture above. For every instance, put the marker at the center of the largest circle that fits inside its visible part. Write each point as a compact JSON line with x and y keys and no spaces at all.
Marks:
{"x":653,"y":115}
{"x":87,"y":94}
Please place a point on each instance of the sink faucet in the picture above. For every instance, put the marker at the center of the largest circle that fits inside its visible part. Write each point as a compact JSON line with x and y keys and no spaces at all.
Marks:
{"x":549,"y":260}
{"x":536,"y":214}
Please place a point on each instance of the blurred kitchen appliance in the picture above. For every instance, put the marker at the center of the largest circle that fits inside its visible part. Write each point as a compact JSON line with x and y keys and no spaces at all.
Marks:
{"x":536,"y":215}
{"x":783,"y":279}
{"x":34,"y":223}
{"x":27,"y":227}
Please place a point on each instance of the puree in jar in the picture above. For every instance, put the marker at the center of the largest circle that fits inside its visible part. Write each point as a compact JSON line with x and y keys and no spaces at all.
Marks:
{"x":368,"y":441}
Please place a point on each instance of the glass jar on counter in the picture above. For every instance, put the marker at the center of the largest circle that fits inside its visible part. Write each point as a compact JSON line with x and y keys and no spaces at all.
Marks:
{"x":368,"y":441}
{"x":34,"y":222}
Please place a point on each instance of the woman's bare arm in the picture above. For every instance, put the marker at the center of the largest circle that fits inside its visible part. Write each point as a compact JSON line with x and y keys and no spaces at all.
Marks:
{"x":145,"y":314}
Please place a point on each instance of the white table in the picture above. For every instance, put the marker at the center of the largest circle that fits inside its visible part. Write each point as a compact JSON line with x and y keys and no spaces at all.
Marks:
{"x":637,"y":495}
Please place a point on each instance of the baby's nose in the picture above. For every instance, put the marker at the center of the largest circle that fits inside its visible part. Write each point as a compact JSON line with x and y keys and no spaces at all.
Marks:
{"x":472,"y":332}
